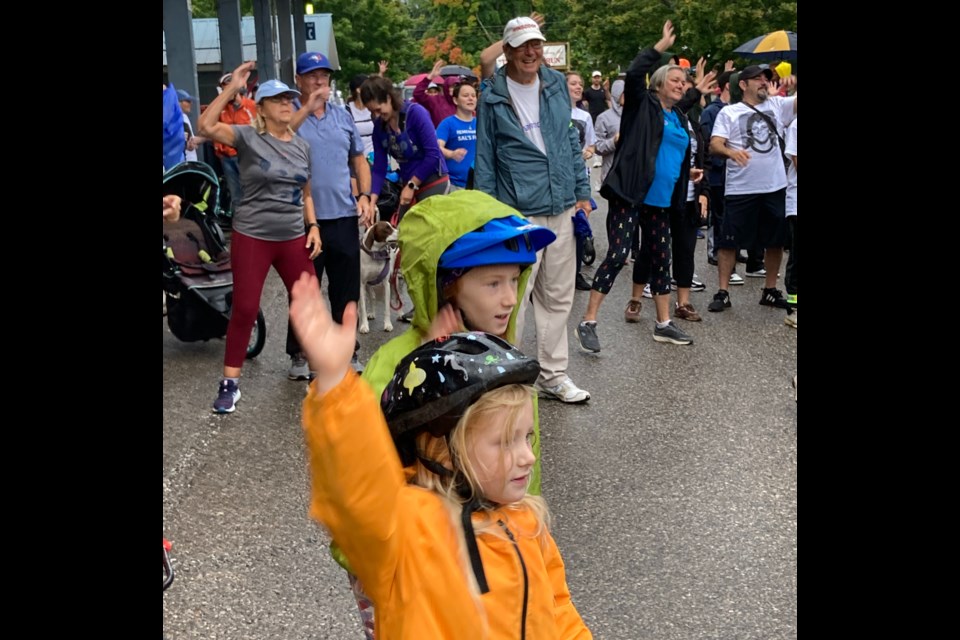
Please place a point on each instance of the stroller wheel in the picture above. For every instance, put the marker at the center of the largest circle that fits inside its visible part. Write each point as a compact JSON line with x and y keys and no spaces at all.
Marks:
{"x":258,"y":337}
{"x":589,"y":253}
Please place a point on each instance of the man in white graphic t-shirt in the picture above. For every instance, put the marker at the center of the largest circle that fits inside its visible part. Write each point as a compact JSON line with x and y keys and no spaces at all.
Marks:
{"x":748,"y":135}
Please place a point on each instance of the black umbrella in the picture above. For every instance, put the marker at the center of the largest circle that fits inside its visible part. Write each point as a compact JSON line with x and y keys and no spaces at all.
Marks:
{"x":779,"y":45}
{"x":457,"y":70}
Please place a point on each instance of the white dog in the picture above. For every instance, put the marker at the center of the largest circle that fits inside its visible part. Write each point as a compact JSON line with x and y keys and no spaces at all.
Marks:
{"x":378,"y":253}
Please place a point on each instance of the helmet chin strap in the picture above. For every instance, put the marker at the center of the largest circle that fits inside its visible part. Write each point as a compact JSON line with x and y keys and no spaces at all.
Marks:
{"x":466,"y":517}
{"x":474,"y":503}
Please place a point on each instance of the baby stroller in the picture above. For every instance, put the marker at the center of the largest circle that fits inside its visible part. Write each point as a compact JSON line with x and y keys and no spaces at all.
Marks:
{"x":197,"y":280}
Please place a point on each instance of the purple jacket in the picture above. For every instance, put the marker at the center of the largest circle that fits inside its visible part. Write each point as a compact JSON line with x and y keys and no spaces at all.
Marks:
{"x":415,"y":148}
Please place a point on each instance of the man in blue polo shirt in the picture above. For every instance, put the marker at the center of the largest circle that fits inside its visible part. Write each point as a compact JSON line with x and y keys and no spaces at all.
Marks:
{"x":335,"y":147}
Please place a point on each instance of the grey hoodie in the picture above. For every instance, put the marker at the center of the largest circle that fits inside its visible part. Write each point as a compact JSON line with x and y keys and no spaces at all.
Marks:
{"x":607,"y":127}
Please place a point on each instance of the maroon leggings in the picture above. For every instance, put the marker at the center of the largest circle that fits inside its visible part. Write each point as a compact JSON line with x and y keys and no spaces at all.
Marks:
{"x":251,"y":259}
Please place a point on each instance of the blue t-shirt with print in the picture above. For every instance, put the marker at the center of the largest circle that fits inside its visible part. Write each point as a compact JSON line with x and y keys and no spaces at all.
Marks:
{"x":673,"y":146}
{"x":459,"y":134}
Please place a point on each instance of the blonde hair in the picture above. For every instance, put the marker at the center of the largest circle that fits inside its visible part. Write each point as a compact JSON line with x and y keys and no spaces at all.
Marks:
{"x":514,"y":399}
{"x":261,"y":124}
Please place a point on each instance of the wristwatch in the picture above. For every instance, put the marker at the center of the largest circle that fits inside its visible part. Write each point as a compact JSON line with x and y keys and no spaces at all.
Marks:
{"x":413,"y":185}
{"x":365,"y":193}
{"x":312,"y":224}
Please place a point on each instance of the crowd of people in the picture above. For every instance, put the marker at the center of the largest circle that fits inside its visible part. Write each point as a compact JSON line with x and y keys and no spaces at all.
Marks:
{"x":425,"y":463}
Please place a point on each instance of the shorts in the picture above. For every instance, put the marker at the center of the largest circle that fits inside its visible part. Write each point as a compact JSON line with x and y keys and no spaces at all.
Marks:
{"x":754,"y":219}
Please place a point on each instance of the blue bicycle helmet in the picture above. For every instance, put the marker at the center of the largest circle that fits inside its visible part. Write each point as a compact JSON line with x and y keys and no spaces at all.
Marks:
{"x":509,"y":240}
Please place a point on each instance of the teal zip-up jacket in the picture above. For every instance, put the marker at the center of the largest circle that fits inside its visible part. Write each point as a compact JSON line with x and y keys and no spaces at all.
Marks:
{"x":511,"y":168}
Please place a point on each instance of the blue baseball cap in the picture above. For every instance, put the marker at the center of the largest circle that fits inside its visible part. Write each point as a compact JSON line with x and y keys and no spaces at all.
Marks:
{"x":307,"y":62}
{"x":272,"y":88}
{"x":510,"y":240}
{"x":183,"y":95}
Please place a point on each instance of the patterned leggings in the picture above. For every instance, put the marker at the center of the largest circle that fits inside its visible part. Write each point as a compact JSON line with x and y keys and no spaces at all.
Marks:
{"x":625,"y":224}
{"x":653,"y":263}
{"x":621,"y":227}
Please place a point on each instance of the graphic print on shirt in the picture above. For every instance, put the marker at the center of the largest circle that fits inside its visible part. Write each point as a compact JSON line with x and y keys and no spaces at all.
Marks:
{"x":581,"y":130}
{"x":756,"y":133}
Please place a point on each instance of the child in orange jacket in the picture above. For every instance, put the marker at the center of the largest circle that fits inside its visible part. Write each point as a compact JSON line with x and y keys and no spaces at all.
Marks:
{"x":456,"y":548}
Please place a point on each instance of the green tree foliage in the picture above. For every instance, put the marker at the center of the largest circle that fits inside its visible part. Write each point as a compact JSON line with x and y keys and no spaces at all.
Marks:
{"x":368,"y":31}
{"x":603,"y":34}
{"x":458,"y":30}
{"x":613,"y":31}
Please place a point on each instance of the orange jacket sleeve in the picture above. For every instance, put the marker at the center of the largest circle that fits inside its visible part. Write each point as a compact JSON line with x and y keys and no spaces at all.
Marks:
{"x":356,"y":478}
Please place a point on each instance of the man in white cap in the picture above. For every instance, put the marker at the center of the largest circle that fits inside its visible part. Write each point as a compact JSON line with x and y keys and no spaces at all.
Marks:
{"x":528,"y":156}
{"x":596,"y":96}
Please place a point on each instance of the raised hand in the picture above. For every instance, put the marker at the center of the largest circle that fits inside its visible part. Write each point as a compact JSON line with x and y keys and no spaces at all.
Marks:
{"x":701,"y":65}
{"x":384,"y":65}
{"x":327,"y":345}
{"x":668,"y":37}
{"x":708,"y":83}
{"x":436,"y":68}
{"x":241,"y":75}
{"x":318,"y":98}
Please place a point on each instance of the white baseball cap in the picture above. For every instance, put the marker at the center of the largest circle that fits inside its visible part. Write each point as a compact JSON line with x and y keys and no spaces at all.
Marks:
{"x":596,"y":74}
{"x":520,"y":30}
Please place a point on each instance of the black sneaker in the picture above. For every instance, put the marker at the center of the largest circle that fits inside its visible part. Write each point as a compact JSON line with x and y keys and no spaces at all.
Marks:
{"x":587,"y":337}
{"x":589,"y":251}
{"x":774,"y":298}
{"x":711,"y":260}
{"x":721,"y":301}
{"x":582,"y":284}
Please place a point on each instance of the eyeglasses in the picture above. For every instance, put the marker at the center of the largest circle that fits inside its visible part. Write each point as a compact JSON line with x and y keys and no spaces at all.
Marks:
{"x":283,"y":97}
{"x":536,"y":45}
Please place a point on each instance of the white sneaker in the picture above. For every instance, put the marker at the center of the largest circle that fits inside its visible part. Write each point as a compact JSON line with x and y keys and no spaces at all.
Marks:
{"x":736,"y":279}
{"x":566,"y":391}
{"x":646,"y":291}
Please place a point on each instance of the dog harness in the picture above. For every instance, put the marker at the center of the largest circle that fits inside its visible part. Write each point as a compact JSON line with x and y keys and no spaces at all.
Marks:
{"x":381,"y":255}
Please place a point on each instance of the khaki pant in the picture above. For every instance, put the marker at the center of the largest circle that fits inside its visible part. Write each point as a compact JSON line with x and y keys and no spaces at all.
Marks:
{"x":551,"y":285}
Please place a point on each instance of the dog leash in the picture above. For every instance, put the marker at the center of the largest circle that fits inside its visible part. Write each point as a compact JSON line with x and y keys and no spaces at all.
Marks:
{"x":396,"y":302}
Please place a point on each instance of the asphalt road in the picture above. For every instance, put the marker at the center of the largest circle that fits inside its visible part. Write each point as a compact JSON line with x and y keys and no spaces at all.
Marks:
{"x":673,"y":491}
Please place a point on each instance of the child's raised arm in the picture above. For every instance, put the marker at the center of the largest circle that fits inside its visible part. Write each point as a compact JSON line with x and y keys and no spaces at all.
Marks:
{"x":355,"y":470}
{"x":327,"y":345}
